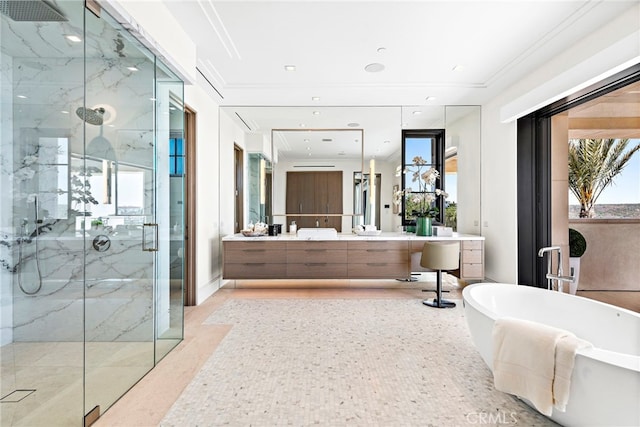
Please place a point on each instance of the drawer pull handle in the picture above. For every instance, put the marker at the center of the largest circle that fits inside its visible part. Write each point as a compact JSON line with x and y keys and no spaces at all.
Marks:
{"x":377,"y":264}
{"x":254,"y":250}
{"x":315,"y":250}
{"x":314,"y":264}
{"x":254,"y":263}
{"x":376,"y":250}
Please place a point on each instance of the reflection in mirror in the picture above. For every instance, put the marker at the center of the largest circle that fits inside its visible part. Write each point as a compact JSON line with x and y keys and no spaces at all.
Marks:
{"x":462,"y":164}
{"x":364,"y":202}
{"x":381,"y":129}
{"x":313,"y":168}
{"x":260,"y":176}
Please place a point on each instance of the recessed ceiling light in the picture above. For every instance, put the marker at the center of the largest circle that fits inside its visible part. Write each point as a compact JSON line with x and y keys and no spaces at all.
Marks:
{"x":353,"y":125}
{"x":73,"y":38}
{"x":382,"y":50}
{"x":316,"y":113}
{"x":315,"y":98}
{"x":457,"y":68}
{"x":302,"y":125}
{"x":133,"y":69}
{"x":415,"y":113}
{"x":308,"y":148}
{"x":290,"y":67}
{"x":21,"y":96}
{"x":309,"y":154}
{"x":430,"y":98}
{"x":376,"y":67}
{"x":306,"y":140}
{"x":64,"y":112}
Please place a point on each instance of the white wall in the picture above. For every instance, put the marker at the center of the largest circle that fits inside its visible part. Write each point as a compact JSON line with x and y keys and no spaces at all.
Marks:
{"x":229,"y":135}
{"x":208,"y":261}
{"x":605,"y":51}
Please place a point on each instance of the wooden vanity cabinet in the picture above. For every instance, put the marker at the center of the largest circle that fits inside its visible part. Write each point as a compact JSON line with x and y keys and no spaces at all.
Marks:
{"x":472,"y":260}
{"x":254,"y":259}
{"x":317,"y":260}
{"x":355,"y":258}
{"x":370,"y":259}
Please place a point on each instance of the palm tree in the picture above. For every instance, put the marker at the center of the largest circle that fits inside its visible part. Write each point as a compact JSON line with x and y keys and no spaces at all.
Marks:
{"x":593,"y":163}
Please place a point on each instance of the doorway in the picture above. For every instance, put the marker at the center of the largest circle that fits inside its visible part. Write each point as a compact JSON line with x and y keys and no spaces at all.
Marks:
{"x":190,"y":207}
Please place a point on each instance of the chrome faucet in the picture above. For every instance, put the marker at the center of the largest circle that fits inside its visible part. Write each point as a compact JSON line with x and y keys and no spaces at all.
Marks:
{"x":558,"y":277}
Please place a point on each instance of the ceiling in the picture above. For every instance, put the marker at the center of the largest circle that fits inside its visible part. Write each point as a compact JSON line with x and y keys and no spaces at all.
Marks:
{"x":452,"y":52}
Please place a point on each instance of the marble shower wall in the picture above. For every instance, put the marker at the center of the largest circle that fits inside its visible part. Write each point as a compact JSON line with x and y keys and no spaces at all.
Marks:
{"x":119,"y":293}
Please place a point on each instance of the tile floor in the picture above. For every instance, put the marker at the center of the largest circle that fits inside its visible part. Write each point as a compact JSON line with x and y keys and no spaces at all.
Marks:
{"x":168,"y":395}
{"x":154,"y":398}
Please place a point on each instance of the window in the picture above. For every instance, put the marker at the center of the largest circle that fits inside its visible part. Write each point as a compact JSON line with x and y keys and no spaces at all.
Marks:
{"x":176,"y":157}
{"x":429,"y":145}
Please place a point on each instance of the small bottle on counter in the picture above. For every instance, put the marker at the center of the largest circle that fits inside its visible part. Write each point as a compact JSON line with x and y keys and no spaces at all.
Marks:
{"x":293,"y":228}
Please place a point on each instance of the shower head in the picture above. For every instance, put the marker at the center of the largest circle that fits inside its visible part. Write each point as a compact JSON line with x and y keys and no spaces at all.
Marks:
{"x":30,"y":11}
{"x":93,"y":117}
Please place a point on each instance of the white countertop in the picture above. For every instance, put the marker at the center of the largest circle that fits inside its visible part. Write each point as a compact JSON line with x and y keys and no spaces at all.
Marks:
{"x":350,"y":236}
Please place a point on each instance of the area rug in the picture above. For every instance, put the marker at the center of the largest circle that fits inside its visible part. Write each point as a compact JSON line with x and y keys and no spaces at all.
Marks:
{"x":344,"y":362}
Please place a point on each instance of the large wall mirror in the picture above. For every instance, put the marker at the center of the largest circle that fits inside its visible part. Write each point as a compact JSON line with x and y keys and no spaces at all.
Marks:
{"x":356,"y":143}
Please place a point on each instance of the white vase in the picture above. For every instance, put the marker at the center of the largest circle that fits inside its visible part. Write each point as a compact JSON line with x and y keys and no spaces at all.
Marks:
{"x":574,"y":270}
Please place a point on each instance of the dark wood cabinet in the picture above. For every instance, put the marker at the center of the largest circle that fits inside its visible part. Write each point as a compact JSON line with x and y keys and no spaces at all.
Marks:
{"x":315,"y":194}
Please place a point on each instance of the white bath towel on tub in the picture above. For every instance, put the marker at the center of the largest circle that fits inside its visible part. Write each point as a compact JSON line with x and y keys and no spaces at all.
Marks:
{"x":524,"y":361}
{"x":565,"y":356}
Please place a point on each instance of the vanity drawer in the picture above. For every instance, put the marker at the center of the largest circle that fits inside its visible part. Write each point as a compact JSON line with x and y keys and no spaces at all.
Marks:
{"x":253,"y":256}
{"x":378,"y":244}
{"x":373,"y":270}
{"x":471,"y":256}
{"x":251,"y":270}
{"x":471,"y":244}
{"x":301,"y":256}
{"x":365,"y":256}
{"x":252,"y":245}
{"x":471,"y":271}
{"x":316,"y":270}
{"x":317,"y":245}
{"x":389,"y":252}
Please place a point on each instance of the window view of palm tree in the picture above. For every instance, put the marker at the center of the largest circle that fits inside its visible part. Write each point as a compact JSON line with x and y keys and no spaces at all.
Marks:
{"x":596,"y":165}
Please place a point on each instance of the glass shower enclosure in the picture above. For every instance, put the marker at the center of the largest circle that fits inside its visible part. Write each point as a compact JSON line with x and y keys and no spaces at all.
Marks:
{"x":91,"y":241}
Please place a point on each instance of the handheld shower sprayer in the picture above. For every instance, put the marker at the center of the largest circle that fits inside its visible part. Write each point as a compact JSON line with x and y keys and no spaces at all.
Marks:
{"x":25,"y":238}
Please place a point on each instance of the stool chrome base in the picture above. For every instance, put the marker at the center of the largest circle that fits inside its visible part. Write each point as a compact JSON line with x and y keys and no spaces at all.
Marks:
{"x":442,"y":303}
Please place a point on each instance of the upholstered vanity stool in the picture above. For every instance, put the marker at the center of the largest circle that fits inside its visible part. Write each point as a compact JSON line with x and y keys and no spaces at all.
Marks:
{"x":440,"y":256}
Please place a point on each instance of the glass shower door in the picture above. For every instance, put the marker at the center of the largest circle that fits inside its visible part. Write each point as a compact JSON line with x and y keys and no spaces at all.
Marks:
{"x":119,"y":222}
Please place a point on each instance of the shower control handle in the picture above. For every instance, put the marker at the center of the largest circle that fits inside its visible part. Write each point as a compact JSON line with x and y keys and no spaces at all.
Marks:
{"x":154,"y":247}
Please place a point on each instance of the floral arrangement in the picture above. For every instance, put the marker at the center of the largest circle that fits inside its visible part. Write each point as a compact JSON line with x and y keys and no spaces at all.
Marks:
{"x":420,"y":203}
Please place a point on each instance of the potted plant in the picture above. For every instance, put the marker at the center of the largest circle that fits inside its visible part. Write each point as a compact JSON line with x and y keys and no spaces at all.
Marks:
{"x":577,"y":248}
{"x":420,"y":204}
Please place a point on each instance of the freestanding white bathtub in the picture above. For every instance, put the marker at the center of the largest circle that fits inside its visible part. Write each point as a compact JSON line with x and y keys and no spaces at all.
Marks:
{"x":605,"y":384}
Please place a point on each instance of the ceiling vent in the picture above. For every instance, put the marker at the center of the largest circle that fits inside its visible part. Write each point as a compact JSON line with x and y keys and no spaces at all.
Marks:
{"x":30,"y":11}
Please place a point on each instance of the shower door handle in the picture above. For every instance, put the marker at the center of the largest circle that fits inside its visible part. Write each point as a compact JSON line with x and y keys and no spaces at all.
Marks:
{"x":154,"y":247}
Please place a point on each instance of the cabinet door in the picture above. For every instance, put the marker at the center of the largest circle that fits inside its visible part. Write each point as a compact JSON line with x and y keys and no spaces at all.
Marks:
{"x":334,"y":199}
{"x":315,"y":193}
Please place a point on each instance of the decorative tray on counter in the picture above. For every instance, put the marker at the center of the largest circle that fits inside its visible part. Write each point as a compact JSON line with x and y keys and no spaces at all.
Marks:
{"x":246,"y":233}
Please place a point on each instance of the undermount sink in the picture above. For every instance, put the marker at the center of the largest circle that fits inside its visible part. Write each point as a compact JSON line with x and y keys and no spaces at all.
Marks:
{"x":317,"y":233}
